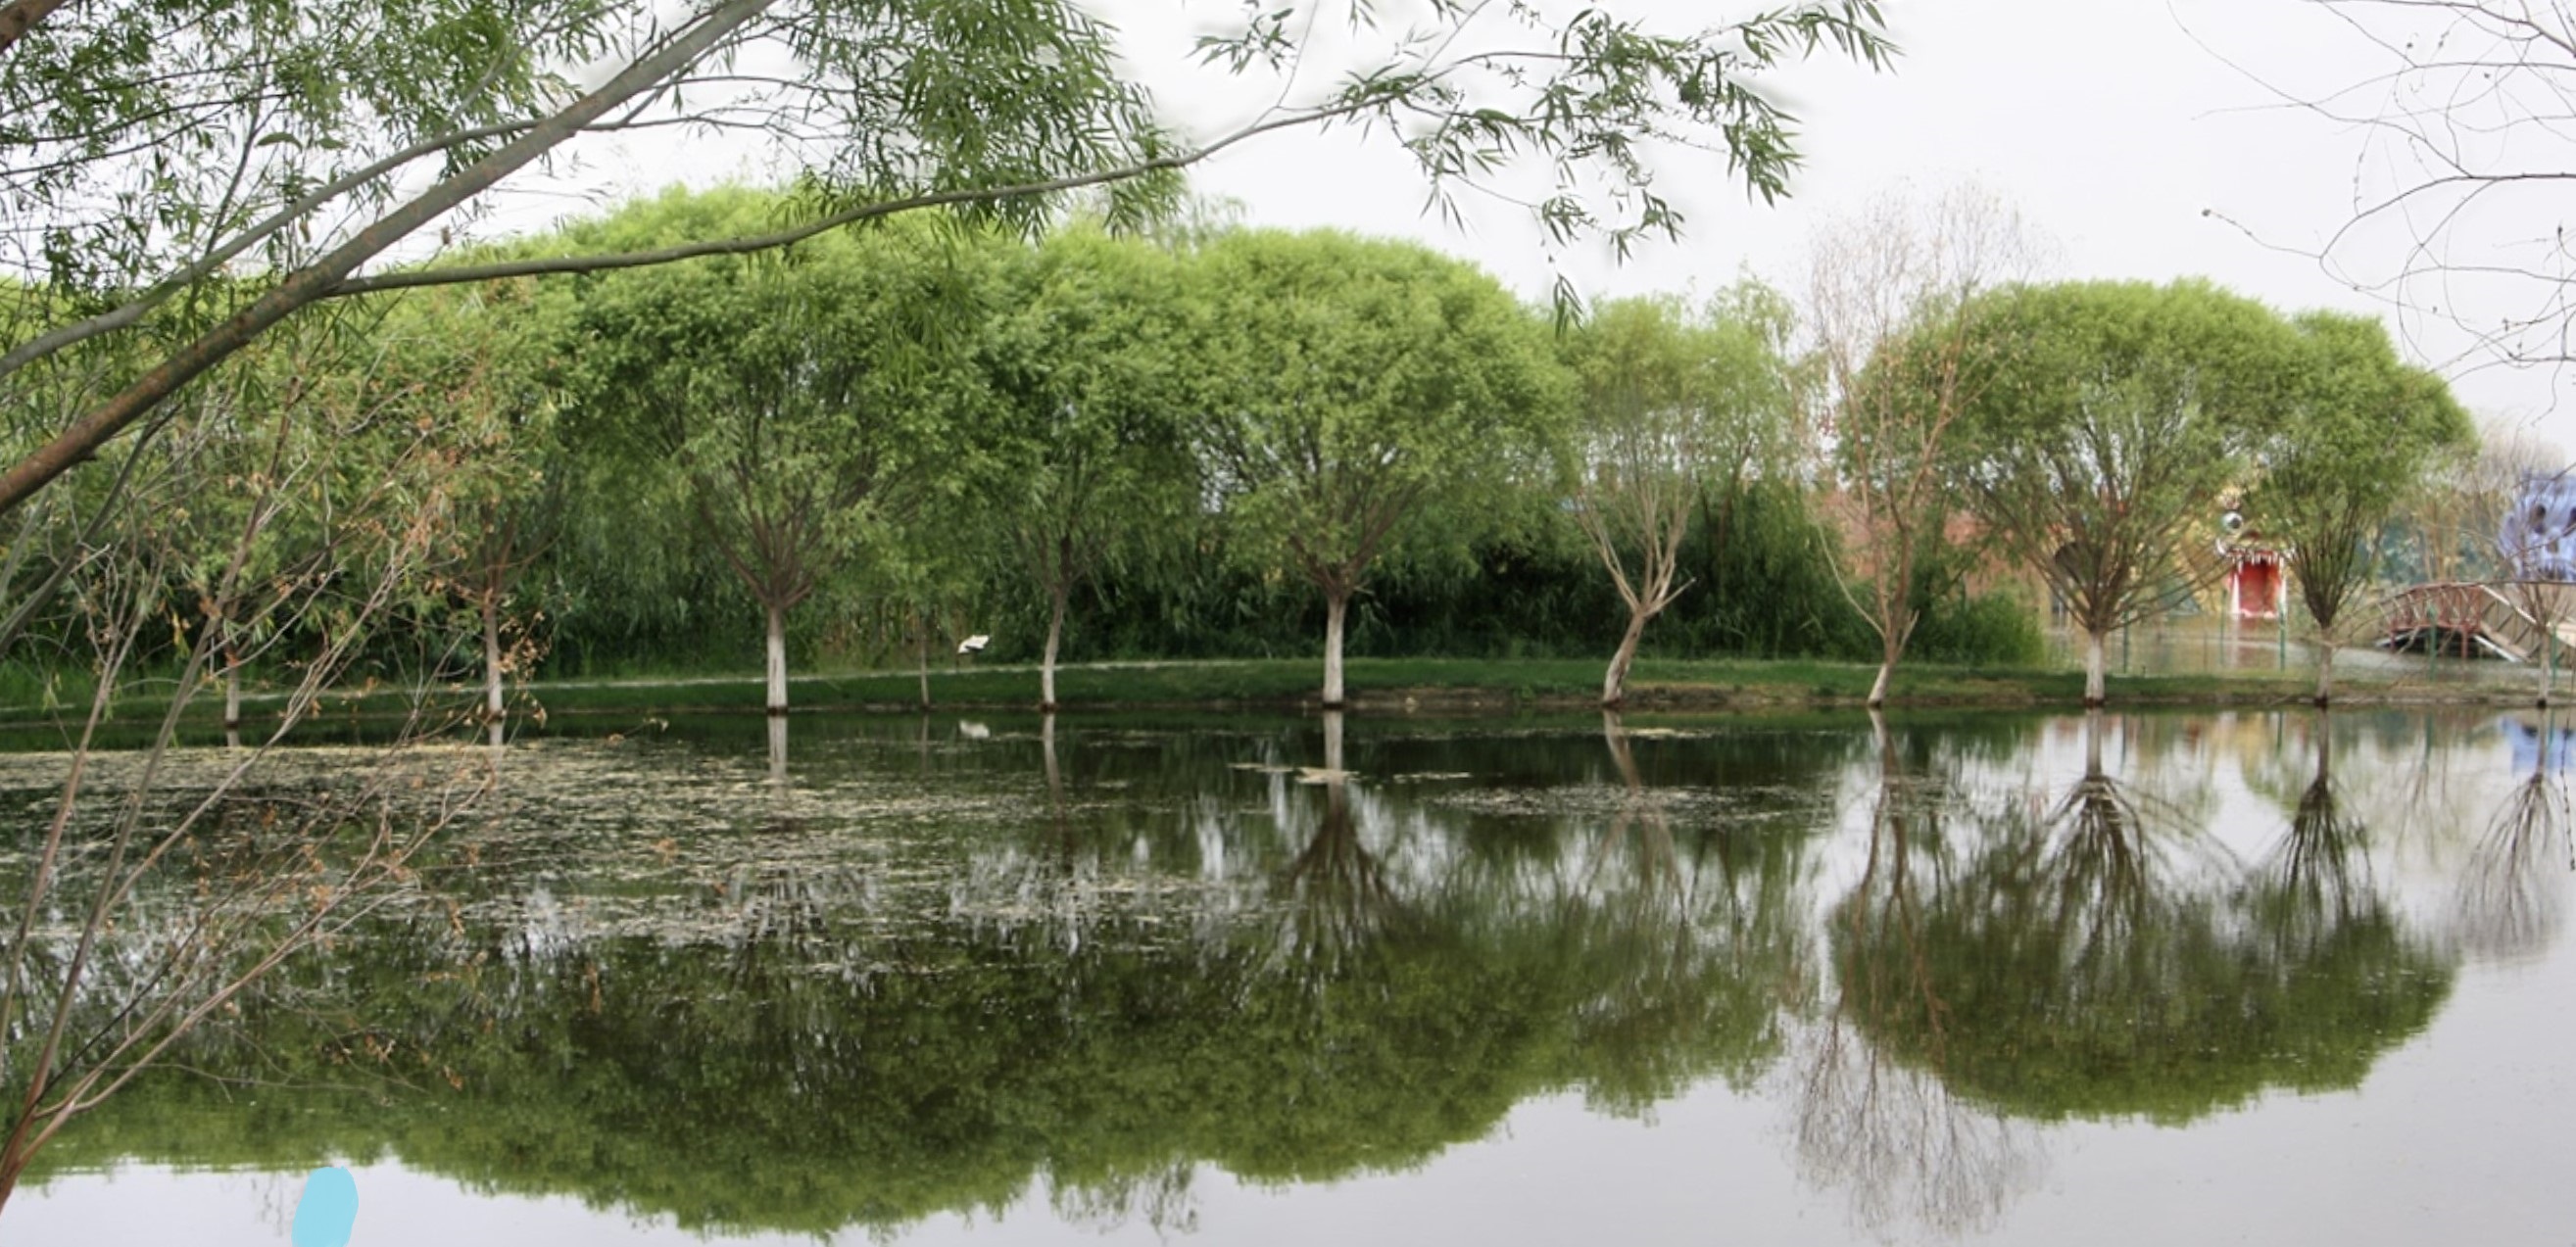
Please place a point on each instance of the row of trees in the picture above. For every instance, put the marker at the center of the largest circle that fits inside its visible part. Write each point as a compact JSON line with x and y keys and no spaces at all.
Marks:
{"x":933,"y":428}
{"x":1319,"y":409}
{"x":1188,"y":443}
{"x":2090,"y":431}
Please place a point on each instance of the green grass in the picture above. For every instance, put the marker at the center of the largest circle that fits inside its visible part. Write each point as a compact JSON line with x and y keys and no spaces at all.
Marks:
{"x":1404,"y":684}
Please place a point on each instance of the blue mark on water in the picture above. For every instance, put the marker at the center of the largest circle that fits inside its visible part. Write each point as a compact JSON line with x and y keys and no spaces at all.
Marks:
{"x":328,"y":1210}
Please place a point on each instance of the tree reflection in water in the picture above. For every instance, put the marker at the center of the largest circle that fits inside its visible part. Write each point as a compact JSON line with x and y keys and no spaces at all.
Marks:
{"x":2512,"y":896}
{"x":2320,"y":871}
{"x":1093,"y":963}
{"x":1340,"y":901}
{"x":1893,"y":1135}
{"x":2103,"y":961}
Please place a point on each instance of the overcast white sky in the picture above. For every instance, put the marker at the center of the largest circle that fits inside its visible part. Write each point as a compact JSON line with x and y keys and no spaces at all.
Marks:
{"x":2116,"y":126}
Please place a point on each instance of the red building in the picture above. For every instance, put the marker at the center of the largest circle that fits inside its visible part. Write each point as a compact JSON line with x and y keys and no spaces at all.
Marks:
{"x":2257,"y":585}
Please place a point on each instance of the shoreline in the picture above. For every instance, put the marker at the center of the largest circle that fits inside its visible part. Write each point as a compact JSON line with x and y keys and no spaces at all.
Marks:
{"x":1378,"y":687}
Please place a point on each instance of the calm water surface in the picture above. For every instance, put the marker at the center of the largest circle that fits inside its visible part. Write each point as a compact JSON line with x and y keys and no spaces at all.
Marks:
{"x":2248,"y":978}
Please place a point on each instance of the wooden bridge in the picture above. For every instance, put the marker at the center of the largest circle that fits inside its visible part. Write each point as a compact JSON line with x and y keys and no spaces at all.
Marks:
{"x":2507,"y":619}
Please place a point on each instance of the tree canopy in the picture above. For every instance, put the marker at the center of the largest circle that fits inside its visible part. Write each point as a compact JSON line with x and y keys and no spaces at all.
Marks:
{"x":2106,"y":419}
{"x":254,"y":161}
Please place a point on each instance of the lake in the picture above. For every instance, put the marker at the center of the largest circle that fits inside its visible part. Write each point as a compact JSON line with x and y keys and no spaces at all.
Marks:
{"x":2251,"y":977}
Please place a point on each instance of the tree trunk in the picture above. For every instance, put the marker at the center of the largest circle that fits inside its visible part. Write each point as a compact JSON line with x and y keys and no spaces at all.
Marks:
{"x":777,"y":659}
{"x":1891,"y":647}
{"x":778,"y":750}
{"x":1614,"y":685}
{"x":2093,"y":645}
{"x":232,"y":696}
{"x":1336,"y":602}
{"x":2325,"y":671}
{"x":492,"y":659}
{"x":1046,"y":664}
{"x":923,"y":668}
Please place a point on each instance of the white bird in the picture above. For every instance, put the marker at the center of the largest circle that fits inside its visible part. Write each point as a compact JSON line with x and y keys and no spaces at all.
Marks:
{"x":974,"y":644}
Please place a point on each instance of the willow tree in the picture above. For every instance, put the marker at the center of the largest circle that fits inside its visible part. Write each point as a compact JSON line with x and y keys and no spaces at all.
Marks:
{"x":1347,"y":383}
{"x":1088,"y":364}
{"x":2106,"y":419}
{"x":786,"y":405}
{"x":480,"y":354}
{"x":1887,"y":300}
{"x":1669,"y":402}
{"x":321,"y":135}
{"x":2356,"y":442}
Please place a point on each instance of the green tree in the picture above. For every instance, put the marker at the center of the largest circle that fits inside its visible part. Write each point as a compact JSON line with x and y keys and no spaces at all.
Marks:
{"x":789,"y":404}
{"x":1088,"y":354}
{"x":1887,"y":302}
{"x":1349,"y":382}
{"x":2357,"y":440}
{"x":2104,"y":421}
{"x":312,"y":139}
{"x":1670,"y":404}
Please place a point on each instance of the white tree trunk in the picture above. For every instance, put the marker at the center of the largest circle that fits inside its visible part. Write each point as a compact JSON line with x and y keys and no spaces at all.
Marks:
{"x":777,"y":660}
{"x":922,"y":667}
{"x":1046,"y":665}
{"x":2093,"y":645}
{"x":1878,"y":687}
{"x":778,"y":750}
{"x":2325,"y":671}
{"x":491,"y":659}
{"x":1614,"y":684}
{"x":232,"y":698}
{"x":1335,"y":604}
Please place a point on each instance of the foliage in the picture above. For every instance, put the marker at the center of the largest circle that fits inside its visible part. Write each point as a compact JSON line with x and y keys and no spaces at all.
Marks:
{"x":1348,"y":382}
{"x":2105,"y":421}
{"x":1669,"y":406}
{"x":2357,"y":440}
{"x":1088,"y":358}
{"x":299,"y":134}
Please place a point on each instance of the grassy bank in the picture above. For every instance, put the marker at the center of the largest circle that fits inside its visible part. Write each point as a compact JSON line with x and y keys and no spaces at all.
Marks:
{"x":1392,"y":685}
